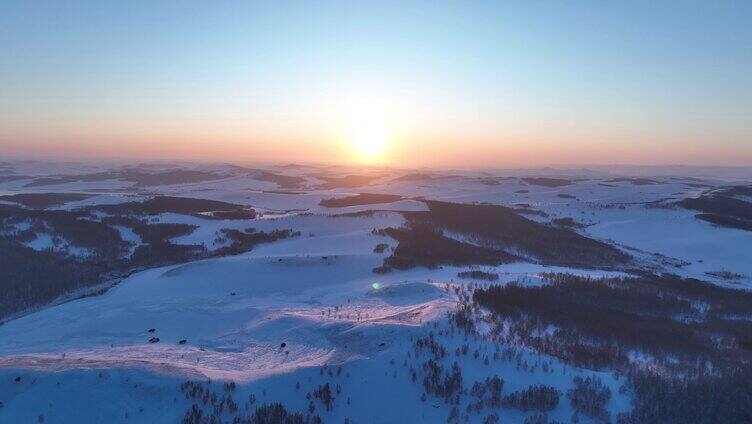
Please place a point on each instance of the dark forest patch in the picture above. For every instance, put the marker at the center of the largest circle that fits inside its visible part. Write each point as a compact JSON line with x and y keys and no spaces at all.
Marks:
{"x":657,"y":315}
{"x":47,"y":181}
{"x":157,"y":248}
{"x":737,"y":191}
{"x":698,"y":185}
{"x":150,"y":232}
{"x":360,"y":199}
{"x":565,"y":196}
{"x":725,"y":221}
{"x":244,"y":241}
{"x":534,"y":398}
{"x":499,"y":235}
{"x":547,"y":182}
{"x":380,"y":248}
{"x":699,"y":367}
{"x":489,"y":181}
{"x":634,"y":181}
{"x":358,"y":214}
{"x":159,"y":233}
{"x":138,"y":177}
{"x":567,"y":222}
{"x":44,"y":200}
{"x":170,"y":177}
{"x":165,"y":204}
{"x":502,"y":226}
{"x":478,"y":275}
{"x":525,"y":210}
{"x":31,"y":278}
{"x":283,"y":181}
{"x":720,"y":207}
{"x":289,"y":192}
{"x":211,"y":403}
{"x":241,"y":214}
{"x":348,"y":181}
{"x":422,"y":244}
{"x":725,"y":275}
{"x":414,"y":177}
{"x":165,"y":253}
{"x":73,"y":226}
{"x":9,"y":178}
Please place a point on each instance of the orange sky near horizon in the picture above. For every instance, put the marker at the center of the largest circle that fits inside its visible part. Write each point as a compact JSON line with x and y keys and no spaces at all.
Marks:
{"x":454,"y":85}
{"x":512,"y":152}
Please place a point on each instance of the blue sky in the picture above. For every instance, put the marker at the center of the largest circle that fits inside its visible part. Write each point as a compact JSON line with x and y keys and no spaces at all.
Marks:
{"x":522,"y":82}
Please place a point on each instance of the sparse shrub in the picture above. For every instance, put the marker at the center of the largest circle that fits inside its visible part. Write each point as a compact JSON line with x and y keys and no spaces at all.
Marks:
{"x":534,"y":398}
{"x":491,"y":419}
{"x":479,"y":275}
{"x":380,"y":248}
{"x":537,"y":419}
{"x":589,"y":396}
{"x":324,"y":394}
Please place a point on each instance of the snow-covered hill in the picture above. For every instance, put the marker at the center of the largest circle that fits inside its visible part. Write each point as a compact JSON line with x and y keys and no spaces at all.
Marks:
{"x":288,"y":316}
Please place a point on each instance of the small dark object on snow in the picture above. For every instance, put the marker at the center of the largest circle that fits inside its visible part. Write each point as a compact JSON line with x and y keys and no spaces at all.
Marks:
{"x":283,"y":345}
{"x":279,"y":260}
{"x":154,"y":340}
{"x":184,"y":341}
{"x":232,"y":294}
{"x":17,"y":379}
{"x":151,"y":330}
{"x":382,"y":344}
{"x":324,"y":257}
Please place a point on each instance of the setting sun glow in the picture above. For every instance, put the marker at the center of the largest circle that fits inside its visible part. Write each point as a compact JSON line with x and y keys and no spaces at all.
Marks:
{"x":407,"y":84}
{"x":369,"y":142}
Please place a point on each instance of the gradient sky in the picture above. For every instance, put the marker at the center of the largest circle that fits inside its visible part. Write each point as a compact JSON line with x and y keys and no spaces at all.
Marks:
{"x":462,"y":84}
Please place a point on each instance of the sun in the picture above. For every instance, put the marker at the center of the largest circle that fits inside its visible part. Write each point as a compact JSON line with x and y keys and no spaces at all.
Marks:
{"x":368,"y":125}
{"x":369,"y":141}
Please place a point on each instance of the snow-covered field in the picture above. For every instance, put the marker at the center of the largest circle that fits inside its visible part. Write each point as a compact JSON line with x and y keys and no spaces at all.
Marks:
{"x":273,"y":317}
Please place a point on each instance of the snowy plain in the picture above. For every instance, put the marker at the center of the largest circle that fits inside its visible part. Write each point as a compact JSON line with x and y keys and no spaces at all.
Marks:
{"x":89,"y":360}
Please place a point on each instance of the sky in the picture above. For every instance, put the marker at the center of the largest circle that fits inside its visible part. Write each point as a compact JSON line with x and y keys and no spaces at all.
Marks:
{"x":416,"y":84}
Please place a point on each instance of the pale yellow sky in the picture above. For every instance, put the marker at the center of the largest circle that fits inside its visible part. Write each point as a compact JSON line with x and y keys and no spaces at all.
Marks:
{"x":455,"y":85}
{"x":463,"y":152}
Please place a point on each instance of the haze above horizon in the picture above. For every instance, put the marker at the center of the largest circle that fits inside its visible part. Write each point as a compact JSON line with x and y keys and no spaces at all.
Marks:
{"x":452,"y":84}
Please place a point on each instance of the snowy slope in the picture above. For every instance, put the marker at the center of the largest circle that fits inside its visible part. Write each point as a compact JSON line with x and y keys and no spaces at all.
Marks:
{"x":90,"y":359}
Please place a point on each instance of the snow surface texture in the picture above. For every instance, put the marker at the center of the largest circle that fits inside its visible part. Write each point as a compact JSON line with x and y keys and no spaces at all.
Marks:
{"x":90,"y":360}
